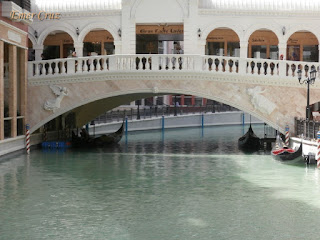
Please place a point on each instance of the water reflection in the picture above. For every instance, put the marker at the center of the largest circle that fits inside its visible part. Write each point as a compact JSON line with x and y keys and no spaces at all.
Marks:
{"x":188,"y":186}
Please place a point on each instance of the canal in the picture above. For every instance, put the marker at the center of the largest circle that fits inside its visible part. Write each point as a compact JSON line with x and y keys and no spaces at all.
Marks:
{"x":185,"y":184}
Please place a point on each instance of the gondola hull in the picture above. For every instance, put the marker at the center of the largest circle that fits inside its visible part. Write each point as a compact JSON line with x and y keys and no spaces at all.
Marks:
{"x":287,"y":154}
{"x":249,"y":141}
{"x":101,"y":141}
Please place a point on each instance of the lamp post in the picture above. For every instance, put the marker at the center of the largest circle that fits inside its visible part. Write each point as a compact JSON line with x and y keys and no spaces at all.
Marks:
{"x":308,"y":81}
{"x":138,"y":113}
{"x":175,"y":105}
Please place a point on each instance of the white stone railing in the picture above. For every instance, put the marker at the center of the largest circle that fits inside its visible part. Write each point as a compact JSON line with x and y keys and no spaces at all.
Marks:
{"x":167,"y":63}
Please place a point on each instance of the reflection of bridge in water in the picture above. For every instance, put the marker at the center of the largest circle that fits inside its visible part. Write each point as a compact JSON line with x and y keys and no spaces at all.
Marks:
{"x":261,"y":87}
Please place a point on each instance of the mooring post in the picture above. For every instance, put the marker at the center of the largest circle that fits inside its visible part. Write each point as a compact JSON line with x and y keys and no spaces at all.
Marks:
{"x":287,"y":136}
{"x":162,"y":122}
{"x":318,"y":149}
{"x":28,"y":138}
{"x":202,"y":120}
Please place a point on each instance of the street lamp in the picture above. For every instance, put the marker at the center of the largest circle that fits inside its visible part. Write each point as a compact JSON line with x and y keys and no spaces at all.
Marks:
{"x":138,"y":113}
{"x":308,"y":81}
{"x":175,"y":105}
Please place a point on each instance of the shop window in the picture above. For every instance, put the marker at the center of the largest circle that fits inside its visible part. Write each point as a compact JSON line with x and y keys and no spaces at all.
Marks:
{"x":188,"y":100}
{"x":7,"y":128}
{"x":293,"y":53}
{"x":259,"y":51}
{"x":51,"y":52}
{"x":91,"y":47}
{"x":274,"y":52}
{"x":108,"y":48}
{"x":198,"y":101}
{"x":20,"y":130}
{"x":215,"y":48}
{"x":160,"y":100}
{"x":233,"y":49}
{"x":310,"y":53}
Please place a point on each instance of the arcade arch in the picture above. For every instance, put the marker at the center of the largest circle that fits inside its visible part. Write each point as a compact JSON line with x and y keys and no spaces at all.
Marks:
{"x":58,"y":44}
{"x":98,"y":42}
{"x":223,"y":42}
{"x":303,"y":46}
{"x":263,"y":43}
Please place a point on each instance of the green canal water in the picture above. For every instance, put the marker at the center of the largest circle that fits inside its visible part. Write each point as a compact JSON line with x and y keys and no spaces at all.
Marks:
{"x":183,"y":185}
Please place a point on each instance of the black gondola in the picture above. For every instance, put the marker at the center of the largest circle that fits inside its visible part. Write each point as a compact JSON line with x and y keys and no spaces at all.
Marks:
{"x":104,"y":140}
{"x":249,"y":141}
{"x":284,"y":153}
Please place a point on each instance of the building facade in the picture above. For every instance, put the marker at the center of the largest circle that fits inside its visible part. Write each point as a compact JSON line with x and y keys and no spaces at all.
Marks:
{"x":13,"y":69}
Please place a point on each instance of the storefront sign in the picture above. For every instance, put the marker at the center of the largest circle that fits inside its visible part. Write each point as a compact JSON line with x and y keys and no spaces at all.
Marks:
{"x":162,"y":29}
{"x":258,"y":40}
{"x":293,"y":41}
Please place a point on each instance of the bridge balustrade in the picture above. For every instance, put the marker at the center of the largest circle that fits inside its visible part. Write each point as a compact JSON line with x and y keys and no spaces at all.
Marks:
{"x":170,"y":62}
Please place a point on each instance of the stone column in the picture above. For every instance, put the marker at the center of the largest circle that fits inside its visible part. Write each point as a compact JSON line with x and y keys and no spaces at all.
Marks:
{"x":243,"y":56}
{"x":1,"y":91}
{"x":282,"y":65}
{"x":13,"y":89}
{"x":78,"y":47}
{"x":38,"y":51}
{"x":117,"y":47}
{"x":23,"y":84}
{"x":283,"y":50}
{"x":128,"y":31}
{"x":191,"y":26}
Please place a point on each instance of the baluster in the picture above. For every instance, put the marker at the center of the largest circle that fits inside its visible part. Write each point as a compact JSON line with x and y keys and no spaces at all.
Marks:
{"x":266,"y":67}
{"x":98,"y":67}
{"x":56,"y":69}
{"x":232,"y":67}
{"x":37,"y":66}
{"x":149,"y":62}
{"x":132,"y":63}
{"x":174,"y":63}
{"x":63,"y":67}
{"x":219,"y":65}
{"x":184,"y":63}
{"x":85,"y":65}
{"x":161,"y":61}
{"x":49,"y":64}
{"x":139,"y":63}
{"x":91,"y":66}
{"x":207,"y":65}
{"x":169,"y":59}
{"x":104,"y":65}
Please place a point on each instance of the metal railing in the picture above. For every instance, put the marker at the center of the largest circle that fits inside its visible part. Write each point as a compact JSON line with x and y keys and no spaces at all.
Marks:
{"x":147,"y":112}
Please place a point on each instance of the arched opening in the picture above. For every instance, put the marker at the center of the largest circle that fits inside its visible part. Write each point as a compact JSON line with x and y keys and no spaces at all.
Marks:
{"x":58,"y":44}
{"x":98,"y":42}
{"x":223,"y":42}
{"x":263,"y":44}
{"x":303,"y":46}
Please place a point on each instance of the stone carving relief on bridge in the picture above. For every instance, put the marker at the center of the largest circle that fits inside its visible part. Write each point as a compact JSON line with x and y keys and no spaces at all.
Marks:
{"x":53,"y":104}
{"x":259,"y":101}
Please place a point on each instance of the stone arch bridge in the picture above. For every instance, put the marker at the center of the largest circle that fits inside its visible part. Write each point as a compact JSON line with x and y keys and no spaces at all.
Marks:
{"x":89,"y":86}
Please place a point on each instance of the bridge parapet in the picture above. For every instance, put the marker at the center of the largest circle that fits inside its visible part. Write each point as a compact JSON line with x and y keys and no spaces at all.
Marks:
{"x":167,"y":63}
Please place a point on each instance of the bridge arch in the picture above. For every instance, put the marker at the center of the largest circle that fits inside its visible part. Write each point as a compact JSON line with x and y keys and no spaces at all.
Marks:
{"x":246,"y":97}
